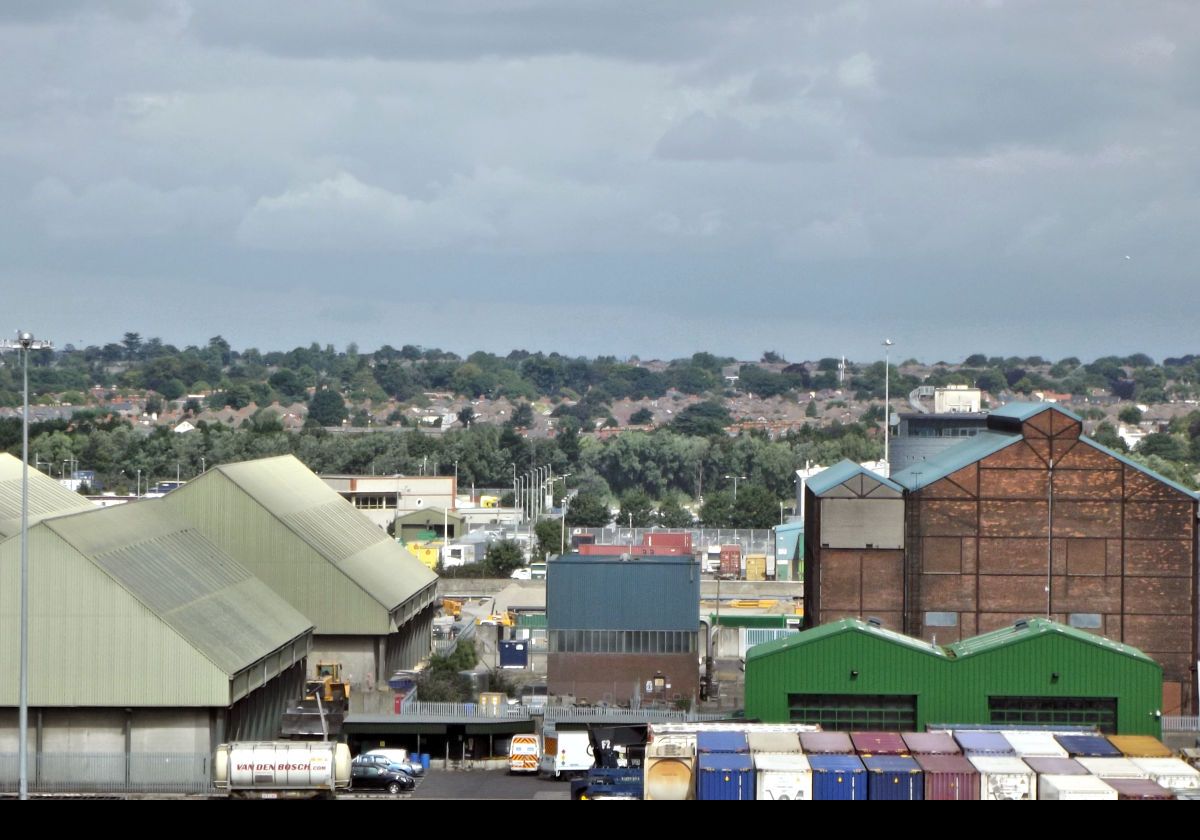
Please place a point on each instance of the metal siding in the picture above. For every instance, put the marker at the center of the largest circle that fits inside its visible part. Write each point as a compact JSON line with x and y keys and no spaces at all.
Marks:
{"x":46,"y":496}
{"x":608,"y":594}
{"x":91,"y":643}
{"x":285,"y":524}
{"x":892,"y":777}
{"x":724,"y":776}
{"x":838,"y":777}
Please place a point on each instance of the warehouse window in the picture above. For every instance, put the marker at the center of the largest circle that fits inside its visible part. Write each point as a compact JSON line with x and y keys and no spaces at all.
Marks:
{"x":1086,"y":621}
{"x":849,"y":712}
{"x":1100,"y":712}
{"x":941,"y":619}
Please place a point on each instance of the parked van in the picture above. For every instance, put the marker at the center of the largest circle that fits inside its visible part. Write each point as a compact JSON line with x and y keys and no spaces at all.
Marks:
{"x":523,"y":754}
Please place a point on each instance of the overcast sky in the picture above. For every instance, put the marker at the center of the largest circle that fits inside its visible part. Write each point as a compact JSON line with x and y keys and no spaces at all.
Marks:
{"x":648,"y":178}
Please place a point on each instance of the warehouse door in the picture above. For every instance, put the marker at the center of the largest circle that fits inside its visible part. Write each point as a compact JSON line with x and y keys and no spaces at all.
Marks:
{"x":1100,"y":712}
{"x":849,"y":712}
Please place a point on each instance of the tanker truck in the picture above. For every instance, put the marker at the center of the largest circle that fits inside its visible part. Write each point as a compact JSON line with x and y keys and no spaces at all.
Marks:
{"x":282,"y":769}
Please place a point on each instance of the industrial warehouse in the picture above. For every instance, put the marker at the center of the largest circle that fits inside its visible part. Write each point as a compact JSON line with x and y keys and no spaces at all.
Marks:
{"x":1027,"y":518}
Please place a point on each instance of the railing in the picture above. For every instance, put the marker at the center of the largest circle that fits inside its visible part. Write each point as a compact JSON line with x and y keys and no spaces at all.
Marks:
{"x":418,"y":708}
{"x":550,"y":711}
{"x":1181,"y":723}
{"x":618,"y":713}
{"x":110,"y":773}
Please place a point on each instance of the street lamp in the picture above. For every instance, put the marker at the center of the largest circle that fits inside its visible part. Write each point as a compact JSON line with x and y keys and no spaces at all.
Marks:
{"x":887,"y":399}
{"x":735,"y":483}
{"x":24,"y":343}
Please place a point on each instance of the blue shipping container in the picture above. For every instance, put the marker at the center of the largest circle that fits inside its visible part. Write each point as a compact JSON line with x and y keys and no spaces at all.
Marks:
{"x":1088,"y":746}
{"x":838,"y":777}
{"x":894,"y":777}
{"x":514,"y":654}
{"x":722,"y":742}
{"x":725,"y":776}
{"x":974,"y":742}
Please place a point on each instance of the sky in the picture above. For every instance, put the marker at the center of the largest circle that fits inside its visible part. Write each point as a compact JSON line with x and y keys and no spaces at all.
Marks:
{"x":620,"y":178}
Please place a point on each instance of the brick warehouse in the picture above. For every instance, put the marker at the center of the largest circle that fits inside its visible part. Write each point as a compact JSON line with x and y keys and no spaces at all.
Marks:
{"x":1028,"y":518}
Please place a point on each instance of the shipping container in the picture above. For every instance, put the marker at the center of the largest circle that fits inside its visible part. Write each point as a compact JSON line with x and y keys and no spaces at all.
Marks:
{"x":1074,"y":787}
{"x":1139,"y":789}
{"x":724,"y":776}
{"x":785,"y":776}
{"x":1004,"y":777}
{"x":674,"y":539}
{"x":514,"y":654}
{"x":826,"y":743}
{"x":1112,"y":768}
{"x":670,"y":767}
{"x":1170,"y":772}
{"x":949,"y":777}
{"x":894,"y":777}
{"x":731,"y":561}
{"x":722,"y":742}
{"x":930,"y":743}
{"x":878,"y":743}
{"x":979,"y":742}
{"x":1035,"y":744}
{"x":1140,"y":746}
{"x":774,"y":742}
{"x":1094,"y":746}
{"x":838,"y":777}
{"x":756,"y":567}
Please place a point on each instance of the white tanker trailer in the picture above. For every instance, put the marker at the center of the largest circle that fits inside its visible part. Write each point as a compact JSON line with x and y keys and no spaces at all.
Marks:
{"x":282,"y":769}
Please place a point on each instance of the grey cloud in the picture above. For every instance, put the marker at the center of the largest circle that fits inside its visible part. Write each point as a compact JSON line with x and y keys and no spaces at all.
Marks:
{"x":703,"y":137}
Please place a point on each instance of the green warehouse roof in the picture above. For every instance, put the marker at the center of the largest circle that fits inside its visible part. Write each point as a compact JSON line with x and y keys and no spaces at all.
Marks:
{"x":952,"y":460}
{"x":1031,"y":628}
{"x":840,"y":473}
{"x":284,"y":490}
{"x":46,"y":497}
{"x":138,"y":583}
{"x":834,"y":628}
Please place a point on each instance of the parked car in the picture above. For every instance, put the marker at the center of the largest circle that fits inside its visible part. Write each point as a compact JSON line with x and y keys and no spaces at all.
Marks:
{"x":369,"y":776}
{"x":388,"y":758}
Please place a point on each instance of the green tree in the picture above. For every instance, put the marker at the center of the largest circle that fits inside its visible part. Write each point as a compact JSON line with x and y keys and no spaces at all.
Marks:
{"x":588,"y":510}
{"x":756,"y":507}
{"x":1164,"y":446}
{"x":636,"y":507}
{"x":671,"y":514}
{"x":717,"y":510}
{"x":1130,"y":414}
{"x":706,"y":419}
{"x":811,"y":409}
{"x":549,"y":538}
{"x":503,"y":558}
{"x":641,"y":417}
{"x":328,"y":408}
{"x":522,"y":416}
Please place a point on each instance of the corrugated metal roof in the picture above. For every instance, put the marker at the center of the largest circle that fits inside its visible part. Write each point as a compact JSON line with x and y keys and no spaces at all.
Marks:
{"x":46,"y":496}
{"x":1024,"y":410}
{"x":954,"y":459}
{"x":601,"y":592}
{"x":841,"y":472}
{"x":1030,"y":628}
{"x":846,"y":625}
{"x":330,"y":525}
{"x":203,"y":594}
{"x":1142,"y":468}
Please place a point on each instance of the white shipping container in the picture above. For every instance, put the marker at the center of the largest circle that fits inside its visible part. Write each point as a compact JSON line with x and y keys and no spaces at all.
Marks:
{"x":784,"y":776}
{"x":1041,"y":744}
{"x":1003,"y":777}
{"x":1171,"y":773}
{"x":1074,"y":787}
{"x":1112,"y":768}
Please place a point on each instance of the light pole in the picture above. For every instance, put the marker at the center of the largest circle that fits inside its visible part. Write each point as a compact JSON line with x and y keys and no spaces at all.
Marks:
{"x":735,"y":483}
{"x":24,"y":343}
{"x":887,"y":398}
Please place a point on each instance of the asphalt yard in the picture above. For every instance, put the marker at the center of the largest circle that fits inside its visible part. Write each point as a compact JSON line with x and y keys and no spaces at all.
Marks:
{"x":487,"y":784}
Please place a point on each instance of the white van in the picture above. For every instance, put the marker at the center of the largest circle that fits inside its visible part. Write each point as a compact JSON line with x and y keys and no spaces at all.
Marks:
{"x":565,"y":752}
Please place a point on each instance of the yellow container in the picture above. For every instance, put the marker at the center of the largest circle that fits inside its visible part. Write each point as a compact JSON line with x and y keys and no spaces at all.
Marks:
{"x":756,"y":567}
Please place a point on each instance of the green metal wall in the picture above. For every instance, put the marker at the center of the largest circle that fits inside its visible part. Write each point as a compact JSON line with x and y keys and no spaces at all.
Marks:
{"x":90,"y":642}
{"x":949,"y":690}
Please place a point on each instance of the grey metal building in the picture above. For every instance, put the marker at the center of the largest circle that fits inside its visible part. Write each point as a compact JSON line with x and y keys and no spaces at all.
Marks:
{"x":622,"y":628}
{"x":372,"y":602}
{"x":920,"y":437}
{"x":148,"y":645}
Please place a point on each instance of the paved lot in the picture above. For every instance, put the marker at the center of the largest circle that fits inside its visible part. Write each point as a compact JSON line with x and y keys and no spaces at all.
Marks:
{"x":487,"y":784}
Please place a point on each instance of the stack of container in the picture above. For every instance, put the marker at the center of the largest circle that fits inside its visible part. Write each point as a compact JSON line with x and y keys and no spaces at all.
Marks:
{"x":1171,"y":773}
{"x":1045,"y":766}
{"x":1140,"y":746}
{"x":1032,"y":743}
{"x":949,"y":777}
{"x":982,"y":742}
{"x":781,"y":770}
{"x":892,"y":777}
{"x":1089,"y":746}
{"x":1005,"y":777}
{"x":724,"y":770}
{"x":826,"y":743}
{"x":1074,"y":787}
{"x":930,"y":743}
{"x":1139,"y":789}
{"x":670,"y":767}
{"x":1112,"y":768}
{"x":878,"y":743}
{"x":837,"y":776}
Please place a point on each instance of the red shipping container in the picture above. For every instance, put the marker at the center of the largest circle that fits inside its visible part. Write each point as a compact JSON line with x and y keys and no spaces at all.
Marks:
{"x":949,"y":777}
{"x":731,"y":560}
{"x":674,"y":540}
{"x":878,"y":743}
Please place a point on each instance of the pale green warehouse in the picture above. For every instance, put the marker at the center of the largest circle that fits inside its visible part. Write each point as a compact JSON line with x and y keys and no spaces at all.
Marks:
{"x":148,"y":645}
{"x":46,"y":496}
{"x":372,"y":602}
